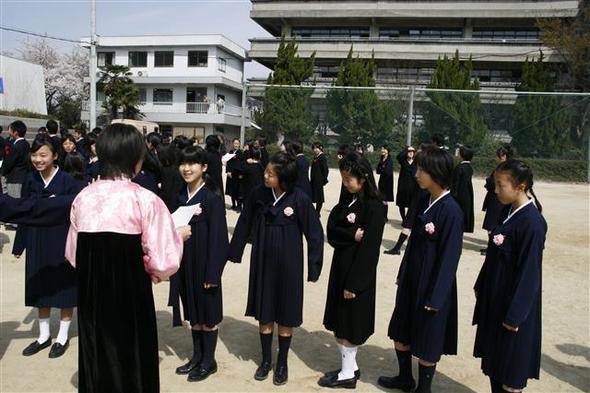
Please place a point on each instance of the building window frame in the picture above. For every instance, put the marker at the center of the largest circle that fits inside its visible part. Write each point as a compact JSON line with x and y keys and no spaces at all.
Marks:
{"x":164,"y":59}
{"x":221,"y":64}
{"x":104,"y":59}
{"x":198,"y":56}
{"x":157,"y":100}
{"x":137,"y":59}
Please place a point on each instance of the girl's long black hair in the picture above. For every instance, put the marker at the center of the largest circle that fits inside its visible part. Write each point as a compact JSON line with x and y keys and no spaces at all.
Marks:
{"x":359,"y":167}
{"x":520,"y":173}
{"x":198,"y":155}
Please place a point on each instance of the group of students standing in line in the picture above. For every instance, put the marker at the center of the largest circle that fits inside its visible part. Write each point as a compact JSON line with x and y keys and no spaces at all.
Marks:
{"x":120,"y":238}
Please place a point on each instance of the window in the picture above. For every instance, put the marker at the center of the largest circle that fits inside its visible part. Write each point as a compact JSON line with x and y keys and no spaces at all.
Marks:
{"x":221,"y":64}
{"x":162,"y":96}
{"x":137,"y":59}
{"x":198,"y":58}
{"x":164,"y":59}
{"x":332,"y":32}
{"x":142,"y":95}
{"x":525,"y":34}
{"x":105,"y":58}
{"x":388,"y":33}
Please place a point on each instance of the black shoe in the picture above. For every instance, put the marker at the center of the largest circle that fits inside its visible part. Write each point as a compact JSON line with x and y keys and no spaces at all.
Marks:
{"x":333,"y":382}
{"x":57,"y":349}
{"x":357,"y":373}
{"x":397,"y":383}
{"x":201,"y":373}
{"x":35,"y":347}
{"x":280,"y":376}
{"x":393,"y":251}
{"x":262,"y":371}
{"x":483,"y":251}
{"x":187,"y":368}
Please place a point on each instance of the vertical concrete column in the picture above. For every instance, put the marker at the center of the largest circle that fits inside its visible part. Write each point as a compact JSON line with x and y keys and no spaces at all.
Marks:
{"x":468,"y":29}
{"x":286,"y":29}
{"x":374,"y":30}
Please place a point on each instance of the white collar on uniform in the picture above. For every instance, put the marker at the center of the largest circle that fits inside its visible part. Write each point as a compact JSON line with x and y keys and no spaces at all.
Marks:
{"x":18,"y":139}
{"x":354,"y":198}
{"x":436,"y":200}
{"x":191,"y":196}
{"x":277,"y":199}
{"x":465,"y":162}
{"x":512,"y":213}
{"x":47,"y":181}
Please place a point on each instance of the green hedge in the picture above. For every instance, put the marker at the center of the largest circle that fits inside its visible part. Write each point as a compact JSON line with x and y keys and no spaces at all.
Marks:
{"x":570,"y":171}
{"x":24,"y":113}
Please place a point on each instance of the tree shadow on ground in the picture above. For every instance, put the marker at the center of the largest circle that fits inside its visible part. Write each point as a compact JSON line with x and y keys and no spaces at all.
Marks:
{"x":576,"y":376}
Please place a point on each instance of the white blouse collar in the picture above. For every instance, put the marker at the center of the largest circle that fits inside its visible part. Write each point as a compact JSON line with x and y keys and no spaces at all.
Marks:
{"x":436,"y":200}
{"x":512,"y":213}
{"x":48,"y":181}
{"x":354,"y":199}
{"x":188,"y":191}
{"x":277,"y":199}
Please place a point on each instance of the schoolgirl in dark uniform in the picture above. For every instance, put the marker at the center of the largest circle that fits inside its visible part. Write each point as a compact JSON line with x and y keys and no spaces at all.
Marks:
{"x":198,"y":281}
{"x":318,"y":175}
{"x":355,"y":230}
{"x":277,"y":215}
{"x":424,"y":320}
{"x":50,"y":279}
{"x":385,"y":172}
{"x":491,"y":205}
{"x":508,"y":288}
{"x":462,"y":187}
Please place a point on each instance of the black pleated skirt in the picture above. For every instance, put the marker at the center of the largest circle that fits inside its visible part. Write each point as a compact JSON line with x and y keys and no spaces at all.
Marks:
{"x":118,"y":347}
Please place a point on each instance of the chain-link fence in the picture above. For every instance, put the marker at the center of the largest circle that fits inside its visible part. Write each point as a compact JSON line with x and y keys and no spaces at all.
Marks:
{"x":548,"y":130}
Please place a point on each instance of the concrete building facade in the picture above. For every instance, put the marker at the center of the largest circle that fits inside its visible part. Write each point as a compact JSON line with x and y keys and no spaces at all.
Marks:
{"x":189,"y":84}
{"x":23,"y":86}
{"x":407,"y":37}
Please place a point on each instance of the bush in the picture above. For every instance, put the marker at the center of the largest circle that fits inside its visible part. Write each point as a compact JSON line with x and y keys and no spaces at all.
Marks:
{"x":569,"y":171}
{"x":543,"y":169}
{"x":24,"y":113}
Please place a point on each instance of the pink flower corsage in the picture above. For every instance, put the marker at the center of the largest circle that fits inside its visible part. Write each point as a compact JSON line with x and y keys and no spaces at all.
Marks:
{"x":198,"y":210}
{"x":429,"y":228}
{"x":498,"y":239}
{"x":288,"y":211}
{"x":351,"y":218}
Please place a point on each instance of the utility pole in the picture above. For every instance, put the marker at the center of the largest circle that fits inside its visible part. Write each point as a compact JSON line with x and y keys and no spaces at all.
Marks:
{"x":410,"y":116}
{"x":92,"y":68}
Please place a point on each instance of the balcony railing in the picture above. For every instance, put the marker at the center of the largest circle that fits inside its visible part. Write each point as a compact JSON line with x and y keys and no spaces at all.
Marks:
{"x":198,"y":107}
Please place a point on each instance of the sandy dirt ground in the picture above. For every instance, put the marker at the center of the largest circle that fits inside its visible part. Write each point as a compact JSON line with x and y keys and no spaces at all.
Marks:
{"x":566,"y":332}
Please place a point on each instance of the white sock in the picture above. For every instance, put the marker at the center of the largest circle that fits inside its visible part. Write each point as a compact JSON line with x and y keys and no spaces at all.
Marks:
{"x":349,"y":365}
{"x":62,"y":335}
{"x":44,"y":334}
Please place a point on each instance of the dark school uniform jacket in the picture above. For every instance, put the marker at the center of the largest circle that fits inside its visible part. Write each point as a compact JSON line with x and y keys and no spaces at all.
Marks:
{"x":275,"y":290}
{"x":508,"y":291}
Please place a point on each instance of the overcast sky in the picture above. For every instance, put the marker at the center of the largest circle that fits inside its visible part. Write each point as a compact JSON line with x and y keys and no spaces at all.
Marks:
{"x":71,"y":19}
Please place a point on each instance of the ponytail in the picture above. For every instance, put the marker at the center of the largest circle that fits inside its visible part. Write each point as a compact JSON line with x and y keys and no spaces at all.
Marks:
{"x":537,"y":203}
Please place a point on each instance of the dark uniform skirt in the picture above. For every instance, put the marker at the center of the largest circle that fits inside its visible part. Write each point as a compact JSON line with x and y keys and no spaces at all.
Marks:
{"x":118,"y":350}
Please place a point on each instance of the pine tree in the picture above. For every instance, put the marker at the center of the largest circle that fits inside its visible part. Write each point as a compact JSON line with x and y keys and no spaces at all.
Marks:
{"x":358,"y":116}
{"x":458,"y":116}
{"x":287,"y":111}
{"x":541,"y":124}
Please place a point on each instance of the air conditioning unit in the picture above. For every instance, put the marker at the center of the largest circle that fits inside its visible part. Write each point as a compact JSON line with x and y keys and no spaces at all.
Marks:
{"x":139,"y":73}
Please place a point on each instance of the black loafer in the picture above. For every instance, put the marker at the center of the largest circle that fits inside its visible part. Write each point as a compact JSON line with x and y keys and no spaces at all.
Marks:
{"x":393,"y":251}
{"x":333,"y":382}
{"x":187,"y":368}
{"x":280,"y":376}
{"x":357,"y":373}
{"x":262,"y":371}
{"x":397,"y":383}
{"x":57,"y":349}
{"x":483,"y":251}
{"x":35,"y":347}
{"x":201,"y":373}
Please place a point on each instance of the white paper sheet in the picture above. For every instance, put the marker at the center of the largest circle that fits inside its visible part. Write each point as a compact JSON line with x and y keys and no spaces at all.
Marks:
{"x":226,"y":157}
{"x":183,"y":215}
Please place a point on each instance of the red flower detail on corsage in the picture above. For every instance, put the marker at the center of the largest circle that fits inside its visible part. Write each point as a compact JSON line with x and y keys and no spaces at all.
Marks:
{"x":288,"y":211}
{"x":429,"y":228}
{"x":498,"y":239}
{"x":351,"y":218}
